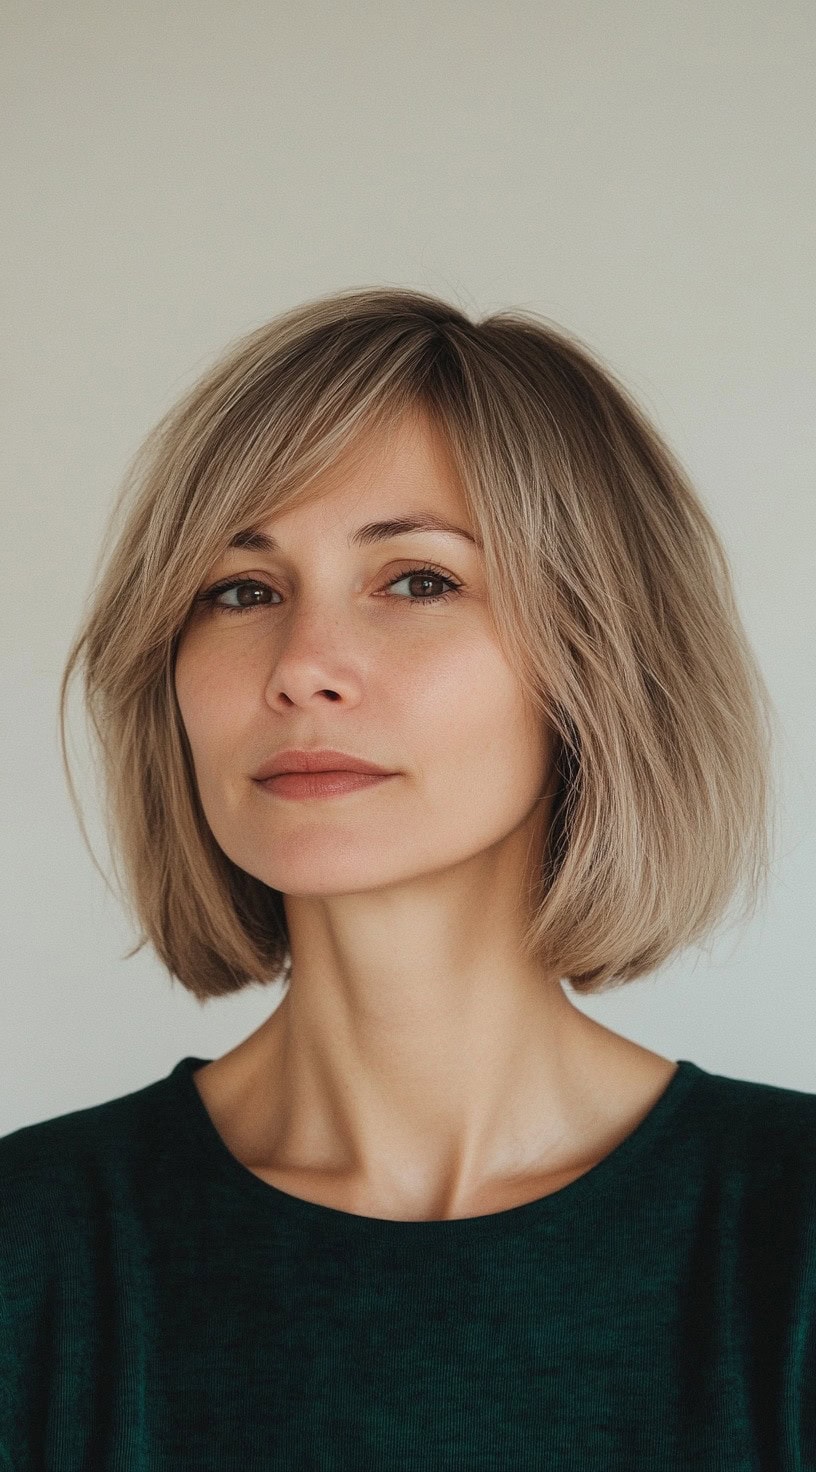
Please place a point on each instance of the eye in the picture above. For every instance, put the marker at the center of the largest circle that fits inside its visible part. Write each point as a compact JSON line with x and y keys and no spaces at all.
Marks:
{"x":425,"y":573}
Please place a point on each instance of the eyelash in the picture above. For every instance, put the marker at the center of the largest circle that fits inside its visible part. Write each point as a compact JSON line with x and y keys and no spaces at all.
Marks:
{"x":215,"y":592}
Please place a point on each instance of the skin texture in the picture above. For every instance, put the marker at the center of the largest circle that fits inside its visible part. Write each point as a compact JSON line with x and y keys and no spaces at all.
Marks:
{"x":419,"y":1067}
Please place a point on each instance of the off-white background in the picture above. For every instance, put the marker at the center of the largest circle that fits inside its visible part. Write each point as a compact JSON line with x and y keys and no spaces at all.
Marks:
{"x":639,"y":171}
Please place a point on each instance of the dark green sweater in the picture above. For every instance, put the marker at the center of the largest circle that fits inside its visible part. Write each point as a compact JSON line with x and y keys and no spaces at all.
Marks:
{"x":166,"y":1310}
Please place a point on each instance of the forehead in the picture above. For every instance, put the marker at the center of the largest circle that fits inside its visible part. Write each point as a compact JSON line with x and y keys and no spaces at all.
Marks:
{"x":408,"y":454}
{"x":394,"y":479}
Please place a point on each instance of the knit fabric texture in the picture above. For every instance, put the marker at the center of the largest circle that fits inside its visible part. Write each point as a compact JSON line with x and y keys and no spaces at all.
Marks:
{"x":166,"y":1310}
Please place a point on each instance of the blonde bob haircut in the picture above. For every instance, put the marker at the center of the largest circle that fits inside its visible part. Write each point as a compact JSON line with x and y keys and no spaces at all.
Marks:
{"x":605,"y":576}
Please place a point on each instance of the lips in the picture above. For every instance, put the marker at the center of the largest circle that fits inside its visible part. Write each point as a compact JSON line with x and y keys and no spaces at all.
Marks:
{"x":322,"y":784}
{"x":324,"y":759}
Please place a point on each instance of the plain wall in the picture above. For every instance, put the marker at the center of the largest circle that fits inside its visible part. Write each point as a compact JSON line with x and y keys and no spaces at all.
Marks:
{"x":173,"y":175}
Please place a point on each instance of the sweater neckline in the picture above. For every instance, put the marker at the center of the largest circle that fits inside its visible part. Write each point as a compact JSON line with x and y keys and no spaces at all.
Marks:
{"x":557,"y":1205}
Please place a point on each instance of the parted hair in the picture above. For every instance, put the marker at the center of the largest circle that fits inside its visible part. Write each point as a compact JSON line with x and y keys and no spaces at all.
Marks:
{"x":607,"y":580}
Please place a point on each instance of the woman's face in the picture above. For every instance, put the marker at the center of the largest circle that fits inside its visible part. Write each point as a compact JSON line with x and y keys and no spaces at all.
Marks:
{"x":326,"y":653}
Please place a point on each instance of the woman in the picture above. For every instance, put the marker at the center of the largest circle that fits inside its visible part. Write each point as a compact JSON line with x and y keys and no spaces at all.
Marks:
{"x":429,"y":1214}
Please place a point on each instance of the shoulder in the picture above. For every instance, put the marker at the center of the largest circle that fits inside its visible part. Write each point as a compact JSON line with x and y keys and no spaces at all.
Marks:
{"x":772,"y":1114}
{"x":759,"y":1141}
{"x":66,"y":1141}
{"x":60,"y":1175}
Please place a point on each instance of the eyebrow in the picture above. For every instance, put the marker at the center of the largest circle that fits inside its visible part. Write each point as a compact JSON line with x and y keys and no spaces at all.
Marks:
{"x":373,"y":531}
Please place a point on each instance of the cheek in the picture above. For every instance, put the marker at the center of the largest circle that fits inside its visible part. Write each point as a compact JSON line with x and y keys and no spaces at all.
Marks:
{"x":209,"y":698}
{"x":468,"y":712}
{"x":438,"y":702}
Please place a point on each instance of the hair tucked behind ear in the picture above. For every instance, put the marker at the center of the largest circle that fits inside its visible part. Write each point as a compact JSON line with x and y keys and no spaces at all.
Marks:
{"x":607,"y":581}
